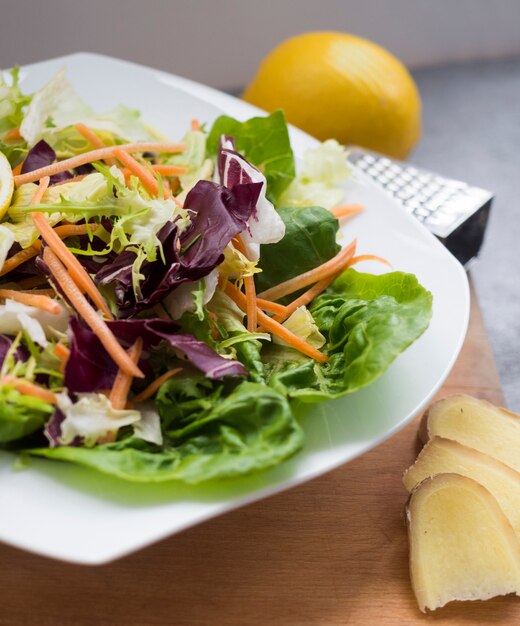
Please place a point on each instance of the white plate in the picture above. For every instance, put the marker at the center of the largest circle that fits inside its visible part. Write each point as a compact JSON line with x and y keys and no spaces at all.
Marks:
{"x":79,"y":515}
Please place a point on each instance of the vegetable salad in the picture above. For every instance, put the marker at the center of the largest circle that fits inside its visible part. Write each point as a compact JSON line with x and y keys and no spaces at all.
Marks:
{"x":164,"y":303}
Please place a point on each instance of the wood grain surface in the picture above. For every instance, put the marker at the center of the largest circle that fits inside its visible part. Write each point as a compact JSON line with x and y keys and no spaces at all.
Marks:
{"x":330,"y":552}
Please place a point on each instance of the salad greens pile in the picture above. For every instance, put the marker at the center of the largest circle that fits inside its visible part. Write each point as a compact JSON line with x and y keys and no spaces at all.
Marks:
{"x":179,"y":242}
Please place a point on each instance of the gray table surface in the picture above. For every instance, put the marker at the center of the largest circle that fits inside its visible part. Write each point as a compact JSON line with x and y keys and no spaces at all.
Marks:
{"x":471,"y":131}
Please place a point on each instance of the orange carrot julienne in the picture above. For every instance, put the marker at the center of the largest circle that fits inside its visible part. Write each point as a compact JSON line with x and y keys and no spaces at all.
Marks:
{"x":123,"y":381}
{"x":83,"y":308}
{"x":145,"y":176}
{"x":195,"y":124}
{"x":63,"y":354}
{"x":251,"y":307}
{"x":271,"y":307}
{"x":347,"y":210}
{"x":18,"y":169}
{"x":39,"y":302}
{"x":93,"y":139}
{"x":306,"y":297}
{"x":312,"y":276}
{"x":369,"y":257}
{"x":38,"y":292}
{"x":64,"y":231}
{"x":41,"y":189}
{"x":163,"y":170}
{"x":77,"y":271}
{"x":13,"y":134}
{"x":99,"y":154}
{"x":276,"y":328}
{"x":153,"y":387}
{"x":27,"y":388}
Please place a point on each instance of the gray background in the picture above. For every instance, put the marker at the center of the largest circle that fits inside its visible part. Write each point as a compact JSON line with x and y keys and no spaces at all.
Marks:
{"x":465,"y":56}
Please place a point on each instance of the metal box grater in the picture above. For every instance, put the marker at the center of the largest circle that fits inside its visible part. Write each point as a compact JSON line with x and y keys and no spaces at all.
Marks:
{"x":452,"y":210}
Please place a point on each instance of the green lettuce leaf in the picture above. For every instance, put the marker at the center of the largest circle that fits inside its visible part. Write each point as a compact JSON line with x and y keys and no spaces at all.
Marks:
{"x":368,"y":321}
{"x":12,"y":102}
{"x":264,"y":141}
{"x":20,"y":415}
{"x":250,"y":430}
{"x":309,"y":241}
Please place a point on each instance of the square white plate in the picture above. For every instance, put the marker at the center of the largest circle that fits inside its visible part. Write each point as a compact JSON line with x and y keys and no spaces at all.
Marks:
{"x":78,"y":515}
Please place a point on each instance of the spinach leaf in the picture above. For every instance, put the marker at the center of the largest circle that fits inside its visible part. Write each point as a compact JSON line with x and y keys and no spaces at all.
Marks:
{"x":264,"y":141}
{"x":250,"y":430}
{"x":368,"y":321}
{"x":309,"y":241}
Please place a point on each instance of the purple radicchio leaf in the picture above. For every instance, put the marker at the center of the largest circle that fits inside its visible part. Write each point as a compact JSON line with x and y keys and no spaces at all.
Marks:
{"x":90,"y":368}
{"x":218,"y":215}
{"x":41,"y":155}
{"x":52,"y":430}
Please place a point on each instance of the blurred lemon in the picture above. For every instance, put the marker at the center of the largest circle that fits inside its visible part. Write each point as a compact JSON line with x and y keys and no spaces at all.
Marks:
{"x":6,"y":184}
{"x":336,"y":85}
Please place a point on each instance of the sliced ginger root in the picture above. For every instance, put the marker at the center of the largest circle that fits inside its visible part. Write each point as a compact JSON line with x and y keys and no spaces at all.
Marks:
{"x":462,"y":546}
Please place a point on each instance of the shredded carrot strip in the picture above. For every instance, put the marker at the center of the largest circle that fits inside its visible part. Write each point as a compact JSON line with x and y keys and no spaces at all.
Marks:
{"x":29,"y":389}
{"x":347,"y":210}
{"x":63,"y":354}
{"x":42,"y":188}
{"x":276,"y":328}
{"x":18,"y":169}
{"x":163,"y":170}
{"x":83,"y":308}
{"x":272,"y":307}
{"x":312,"y":276}
{"x":147,"y":178}
{"x":169,"y":170}
{"x":13,"y":134}
{"x":39,"y":302}
{"x":93,"y":139}
{"x":38,"y":292}
{"x":64,"y":231}
{"x":77,"y":271}
{"x":153,"y":387}
{"x":307,"y":297}
{"x":251,"y":307}
{"x":95,"y":155}
{"x":369,"y":257}
{"x":20,"y":257}
{"x":123,"y":381}
{"x":195,"y":124}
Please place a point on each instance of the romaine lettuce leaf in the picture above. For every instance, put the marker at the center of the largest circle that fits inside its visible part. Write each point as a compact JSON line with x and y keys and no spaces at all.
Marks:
{"x":250,"y":430}
{"x":265,"y":142}
{"x":368,"y":321}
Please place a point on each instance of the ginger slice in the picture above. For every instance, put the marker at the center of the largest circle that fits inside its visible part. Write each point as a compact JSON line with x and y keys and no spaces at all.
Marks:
{"x":444,"y":455}
{"x":477,"y":424}
{"x":462,"y":546}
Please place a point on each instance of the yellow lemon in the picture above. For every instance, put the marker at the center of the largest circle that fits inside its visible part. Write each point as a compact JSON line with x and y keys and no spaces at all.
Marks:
{"x":6,"y":184}
{"x":335,"y":85}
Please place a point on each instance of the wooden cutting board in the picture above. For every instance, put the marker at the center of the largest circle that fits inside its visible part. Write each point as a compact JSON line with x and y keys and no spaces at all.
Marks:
{"x":330,"y":552}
